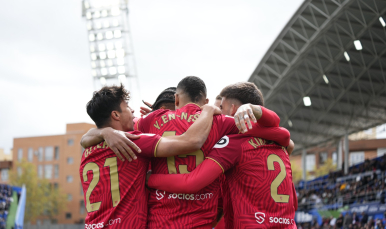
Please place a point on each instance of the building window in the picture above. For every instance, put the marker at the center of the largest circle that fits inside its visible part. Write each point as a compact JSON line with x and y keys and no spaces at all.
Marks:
{"x":69,"y":197}
{"x":40,"y":171}
{"x":70,"y":160}
{"x":19,"y":154}
{"x":310,"y":162}
{"x":56,"y":152}
{"x":68,"y":215}
{"x":48,"y":171}
{"x":19,"y":171}
{"x":334,"y":158}
{"x":4,"y":175}
{"x":322,"y":158}
{"x":70,"y":142}
{"x":82,"y":210}
{"x":49,"y":153}
{"x":30,"y":154}
{"x":356,"y":158}
{"x":40,"y":154}
{"x":381,"y":152}
{"x":56,"y":171}
{"x":69,"y":179}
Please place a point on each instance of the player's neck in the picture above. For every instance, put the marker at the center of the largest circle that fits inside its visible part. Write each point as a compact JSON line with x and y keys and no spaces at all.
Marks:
{"x":182,"y":104}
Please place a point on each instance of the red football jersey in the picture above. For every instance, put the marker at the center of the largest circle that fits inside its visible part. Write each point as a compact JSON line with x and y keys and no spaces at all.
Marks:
{"x":178,"y":210}
{"x":259,"y":177}
{"x":114,"y":191}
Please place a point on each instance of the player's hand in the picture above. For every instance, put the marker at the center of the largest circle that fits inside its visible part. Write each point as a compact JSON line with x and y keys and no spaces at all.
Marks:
{"x":290,"y":147}
{"x":244,"y":115}
{"x":145,"y":110}
{"x":211,"y":108}
{"x":120,"y":143}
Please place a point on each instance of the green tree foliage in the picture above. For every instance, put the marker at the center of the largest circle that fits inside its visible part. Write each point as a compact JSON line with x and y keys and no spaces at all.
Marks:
{"x":297,"y":173}
{"x":42,"y":198}
{"x":325,"y":169}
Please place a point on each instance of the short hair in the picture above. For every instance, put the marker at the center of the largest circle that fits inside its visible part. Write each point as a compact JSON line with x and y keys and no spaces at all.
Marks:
{"x":194,"y":87}
{"x":218,"y":97}
{"x":105,"y":101}
{"x":245,"y":92}
{"x":165,"y":98}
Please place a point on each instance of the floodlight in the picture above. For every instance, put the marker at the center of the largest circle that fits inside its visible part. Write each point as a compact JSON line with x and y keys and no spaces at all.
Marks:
{"x":109,"y":63}
{"x":92,"y":48}
{"x":110,"y":46}
{"x":93,"y":64}
{"x":111,"y":54}
{"x":98,"y":25}
{"x":88,"y":15}
{"x":102,"y":55}
{"x":358,"y":45}
{"x":118,"y":45}
{"x":109,"y":35}
{"x":117,"y":33}
{"x":122,"y":78}
{"x":104,"y":13}
{"x":289,"y":123}
{"x":89,"y":26}
{"x":307,"y":101}
{"x":97,"y":14}
{"x":106,"y":24}
{"x":94,"y":73}
{"x":121,"y":69}
{"x":101,"y":47}
{"x":103,"y":80}
{"x":115,"y":22}
{"x":113,"y":71}
{"x":325,"y":79}
{"x":115,"y":11}
{"x":100,"y":36}
{"x":93,"y":56}
{"x":91,"y":37}
{"x":104,"y":71}
{"x":346,"y":56}
{"x":120,"y":61}
{"x":102,"y":64}
{"x":382,"y":21}
{"x":120,"y":53}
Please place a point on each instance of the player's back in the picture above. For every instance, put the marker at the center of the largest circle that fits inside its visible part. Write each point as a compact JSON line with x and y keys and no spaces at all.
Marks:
{"x":178,"y":210}
{"x":114,"y":191}
{"x":260,"y":186}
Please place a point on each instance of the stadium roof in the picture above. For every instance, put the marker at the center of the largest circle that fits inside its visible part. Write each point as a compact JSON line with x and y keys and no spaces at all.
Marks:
{"x":334,"y":52}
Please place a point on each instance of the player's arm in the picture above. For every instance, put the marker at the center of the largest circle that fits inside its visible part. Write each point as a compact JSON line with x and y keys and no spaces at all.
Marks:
{"x":117,"y":140}
{"x":192,"y":139}
{"x":192,"y":182}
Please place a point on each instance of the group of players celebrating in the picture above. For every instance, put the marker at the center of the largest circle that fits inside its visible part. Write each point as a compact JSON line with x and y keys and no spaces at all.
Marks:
{"x":206,"y":161}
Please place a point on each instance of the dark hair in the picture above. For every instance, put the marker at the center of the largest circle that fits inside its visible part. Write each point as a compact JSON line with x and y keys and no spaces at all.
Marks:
{"x":194,"y":87}
{"x":245,"y":92}
{"x":165,"y":98}
{"x":105,"y":101}
{"x":218,"y":97}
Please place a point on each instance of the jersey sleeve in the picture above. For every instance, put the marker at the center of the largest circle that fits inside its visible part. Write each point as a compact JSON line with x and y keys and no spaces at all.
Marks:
{"x":192,"y":182}
{"x":277,"y":134}
{"x":226,"y":153}
{"x":147,"y":143}
{"x":268,"y":118}
{"x":226,"y":125}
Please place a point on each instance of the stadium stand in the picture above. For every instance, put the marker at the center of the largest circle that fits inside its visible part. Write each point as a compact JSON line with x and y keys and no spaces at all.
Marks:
{"x":360,"y":196}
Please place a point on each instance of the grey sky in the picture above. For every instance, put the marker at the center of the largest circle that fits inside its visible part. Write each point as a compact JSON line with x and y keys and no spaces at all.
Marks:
{"x":45,"y":75}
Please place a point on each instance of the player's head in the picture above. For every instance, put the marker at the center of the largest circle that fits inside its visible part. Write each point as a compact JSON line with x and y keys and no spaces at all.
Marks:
{"x":109,"y":108}
{"x":191,"y":89}
{"x":165,"y":100}
{"x":235,"y":95}
{"x":217,"y":103}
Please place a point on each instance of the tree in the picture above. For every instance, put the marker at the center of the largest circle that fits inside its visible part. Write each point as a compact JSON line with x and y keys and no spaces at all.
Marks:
{"x":325,"y":169}
{"x":297,"y":173}
{"x":42,"y":198}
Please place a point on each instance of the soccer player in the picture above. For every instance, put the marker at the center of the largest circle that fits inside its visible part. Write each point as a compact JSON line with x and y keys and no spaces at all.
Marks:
{"x":217,"y":103}
{"x":178,"y":210}
{"x":258,"y":192}
{"x":165,"y":100}
{"x":114,"y":191}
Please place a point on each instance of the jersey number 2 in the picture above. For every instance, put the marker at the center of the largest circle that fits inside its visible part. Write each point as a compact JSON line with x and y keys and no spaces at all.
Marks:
{"x":279,"y":178}
{"x":114,"y":183}
{"x":171,"y":161}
